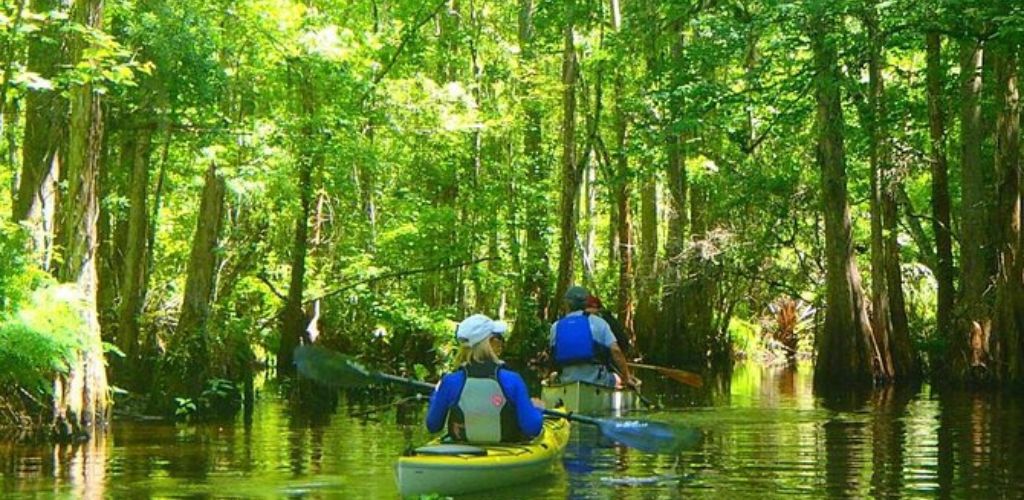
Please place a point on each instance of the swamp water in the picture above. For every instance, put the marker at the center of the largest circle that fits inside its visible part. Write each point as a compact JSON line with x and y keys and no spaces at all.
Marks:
{"x":765,"y":435}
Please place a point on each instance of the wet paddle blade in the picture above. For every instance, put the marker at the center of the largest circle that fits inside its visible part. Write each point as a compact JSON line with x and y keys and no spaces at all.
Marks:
{"x":331,"y":368}
{"x":648,"y":436}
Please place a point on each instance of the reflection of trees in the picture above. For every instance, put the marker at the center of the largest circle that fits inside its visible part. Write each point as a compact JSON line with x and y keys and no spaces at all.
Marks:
{"x":77,"y":470}
{"x":844,"y":443}
{"x":979,"y":442}
{"x":87,"y":469}
{"x":305,"y":425}
{"x":844,"y":457}
{"x":888,"y":438}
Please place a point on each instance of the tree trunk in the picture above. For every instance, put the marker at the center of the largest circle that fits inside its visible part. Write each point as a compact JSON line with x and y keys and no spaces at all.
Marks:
{"x":570,"y":174}
{"x":674,"y":315}
{"x":974,"y":237}
{"x":112,"y":229}
{"x":293,"y":322}
{"x":133,"y":286}
{"x":844,"y":354}
{"x":590,"y":213}
{"x":81,"y":399}
{"x":881,"y":324}
{"x":647,"y":286}
{"x":534,"y":292}
{"x":904,"y":360}
{"x":623,"y":212}
{"x":45,"y":124}
{"x":941,"y":221}
{"x":188,"y":352}
{"x":1008,"y":325}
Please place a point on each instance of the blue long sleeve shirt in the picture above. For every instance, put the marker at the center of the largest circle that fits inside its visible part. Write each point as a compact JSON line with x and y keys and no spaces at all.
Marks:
{"x":447,"y":394}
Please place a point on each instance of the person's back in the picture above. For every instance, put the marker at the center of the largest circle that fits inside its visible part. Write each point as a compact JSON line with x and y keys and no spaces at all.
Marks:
{"x":583,"y":346}
{"x":483,"y":402}
{"x":579,"y":355}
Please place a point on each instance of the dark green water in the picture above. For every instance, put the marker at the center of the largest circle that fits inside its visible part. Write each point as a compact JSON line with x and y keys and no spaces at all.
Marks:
{"x":765,"y":436}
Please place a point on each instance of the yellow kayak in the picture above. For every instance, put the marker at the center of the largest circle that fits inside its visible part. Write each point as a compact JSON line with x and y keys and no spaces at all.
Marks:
{"x":452,"y":469}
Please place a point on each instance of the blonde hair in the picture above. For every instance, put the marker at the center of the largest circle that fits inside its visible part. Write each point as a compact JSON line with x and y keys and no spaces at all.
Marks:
{"x":482,"y":352}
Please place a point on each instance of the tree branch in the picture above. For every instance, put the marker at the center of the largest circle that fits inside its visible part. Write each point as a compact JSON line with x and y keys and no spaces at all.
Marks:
{"x":271,"y":286}
{"x":399,"y":274}
{"x":410,"y":34}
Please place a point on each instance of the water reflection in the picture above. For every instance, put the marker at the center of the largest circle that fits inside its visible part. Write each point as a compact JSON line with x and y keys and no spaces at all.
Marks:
{"x":765,"y":433}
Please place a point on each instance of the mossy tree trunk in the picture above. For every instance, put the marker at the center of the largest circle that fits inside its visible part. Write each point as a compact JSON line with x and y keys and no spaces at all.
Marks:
{"x":974,"y":278}
{"x":1008,"y":324}
{"x":941,"y":219}
{"x":571,"y":175}
{"x":133,"y":286}
{"x":294,"y":322}
{"x":45,"y":125}
{"x":844,"y":354}
{"x":80,"y":397}
{"x":187,"y":364}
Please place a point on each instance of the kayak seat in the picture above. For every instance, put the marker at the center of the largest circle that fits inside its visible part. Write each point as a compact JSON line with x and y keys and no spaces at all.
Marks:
{"x":451,"y":450}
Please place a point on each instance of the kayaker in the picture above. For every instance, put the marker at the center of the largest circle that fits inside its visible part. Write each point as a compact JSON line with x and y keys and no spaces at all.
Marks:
{"x":595,"y":307}
{"x":584,"y":347}
{"x":483,"y":401}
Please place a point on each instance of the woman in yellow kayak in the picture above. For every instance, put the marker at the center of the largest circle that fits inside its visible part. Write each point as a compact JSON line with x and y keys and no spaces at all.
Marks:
{"x":483,"y":402}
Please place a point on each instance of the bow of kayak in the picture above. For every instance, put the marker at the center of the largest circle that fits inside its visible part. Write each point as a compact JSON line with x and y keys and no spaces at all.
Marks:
{"x":456,"y":469}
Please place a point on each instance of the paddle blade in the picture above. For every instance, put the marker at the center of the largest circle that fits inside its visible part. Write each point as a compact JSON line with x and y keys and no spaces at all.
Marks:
{"x":648,"y":436}
{"x":330,"y":368}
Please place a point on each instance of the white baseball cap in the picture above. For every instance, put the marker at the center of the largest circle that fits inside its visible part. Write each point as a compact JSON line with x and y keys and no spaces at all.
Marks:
{"x":478,"y":328}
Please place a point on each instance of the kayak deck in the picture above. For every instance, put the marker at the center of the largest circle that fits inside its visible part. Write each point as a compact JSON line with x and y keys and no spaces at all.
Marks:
{"x":467,"y":470}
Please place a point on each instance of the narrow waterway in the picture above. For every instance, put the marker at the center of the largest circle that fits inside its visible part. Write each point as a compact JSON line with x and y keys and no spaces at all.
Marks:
{"x":765,"y":435}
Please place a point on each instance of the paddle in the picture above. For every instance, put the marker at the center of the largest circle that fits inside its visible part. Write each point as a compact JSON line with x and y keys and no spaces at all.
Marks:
{"x":335,"y":369}
{"x":681,"y":376}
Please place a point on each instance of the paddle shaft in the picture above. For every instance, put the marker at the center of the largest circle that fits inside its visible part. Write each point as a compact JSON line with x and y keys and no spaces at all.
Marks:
{"x":682,"y":376}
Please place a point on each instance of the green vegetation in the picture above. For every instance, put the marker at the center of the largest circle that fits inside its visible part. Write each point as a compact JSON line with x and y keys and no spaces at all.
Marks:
{"x":223,"y":180}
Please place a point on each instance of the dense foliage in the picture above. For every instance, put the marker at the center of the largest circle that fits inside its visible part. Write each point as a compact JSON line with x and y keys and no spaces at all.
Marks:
{"x":363,"y":174}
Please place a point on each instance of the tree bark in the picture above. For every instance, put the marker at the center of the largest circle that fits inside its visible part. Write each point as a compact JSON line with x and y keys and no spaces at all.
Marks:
{"x":941,"y":219}
{"x":45,"y":125}
{"x":904,"y":360}
{"x":844,"y":354}
{"x":571,"y":177}
{"x":1008,"y":325}
{"x":534,"y":291}
{"x":133,"y":286}
{"x":188,"y":352}
{"x":974,"y":236}
{"x":623,"y":212}
{"x":82,"y":397}
{"x":881,"y":324}
{"x":293,"y":323}
{"x":647,"y":286}
{"x":674,"y":314}
{"x":112,"y":227}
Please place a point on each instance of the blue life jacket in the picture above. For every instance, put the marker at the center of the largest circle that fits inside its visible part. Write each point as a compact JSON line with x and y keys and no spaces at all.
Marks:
{"x":483,"y":413}
{"x":574,"y":343}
